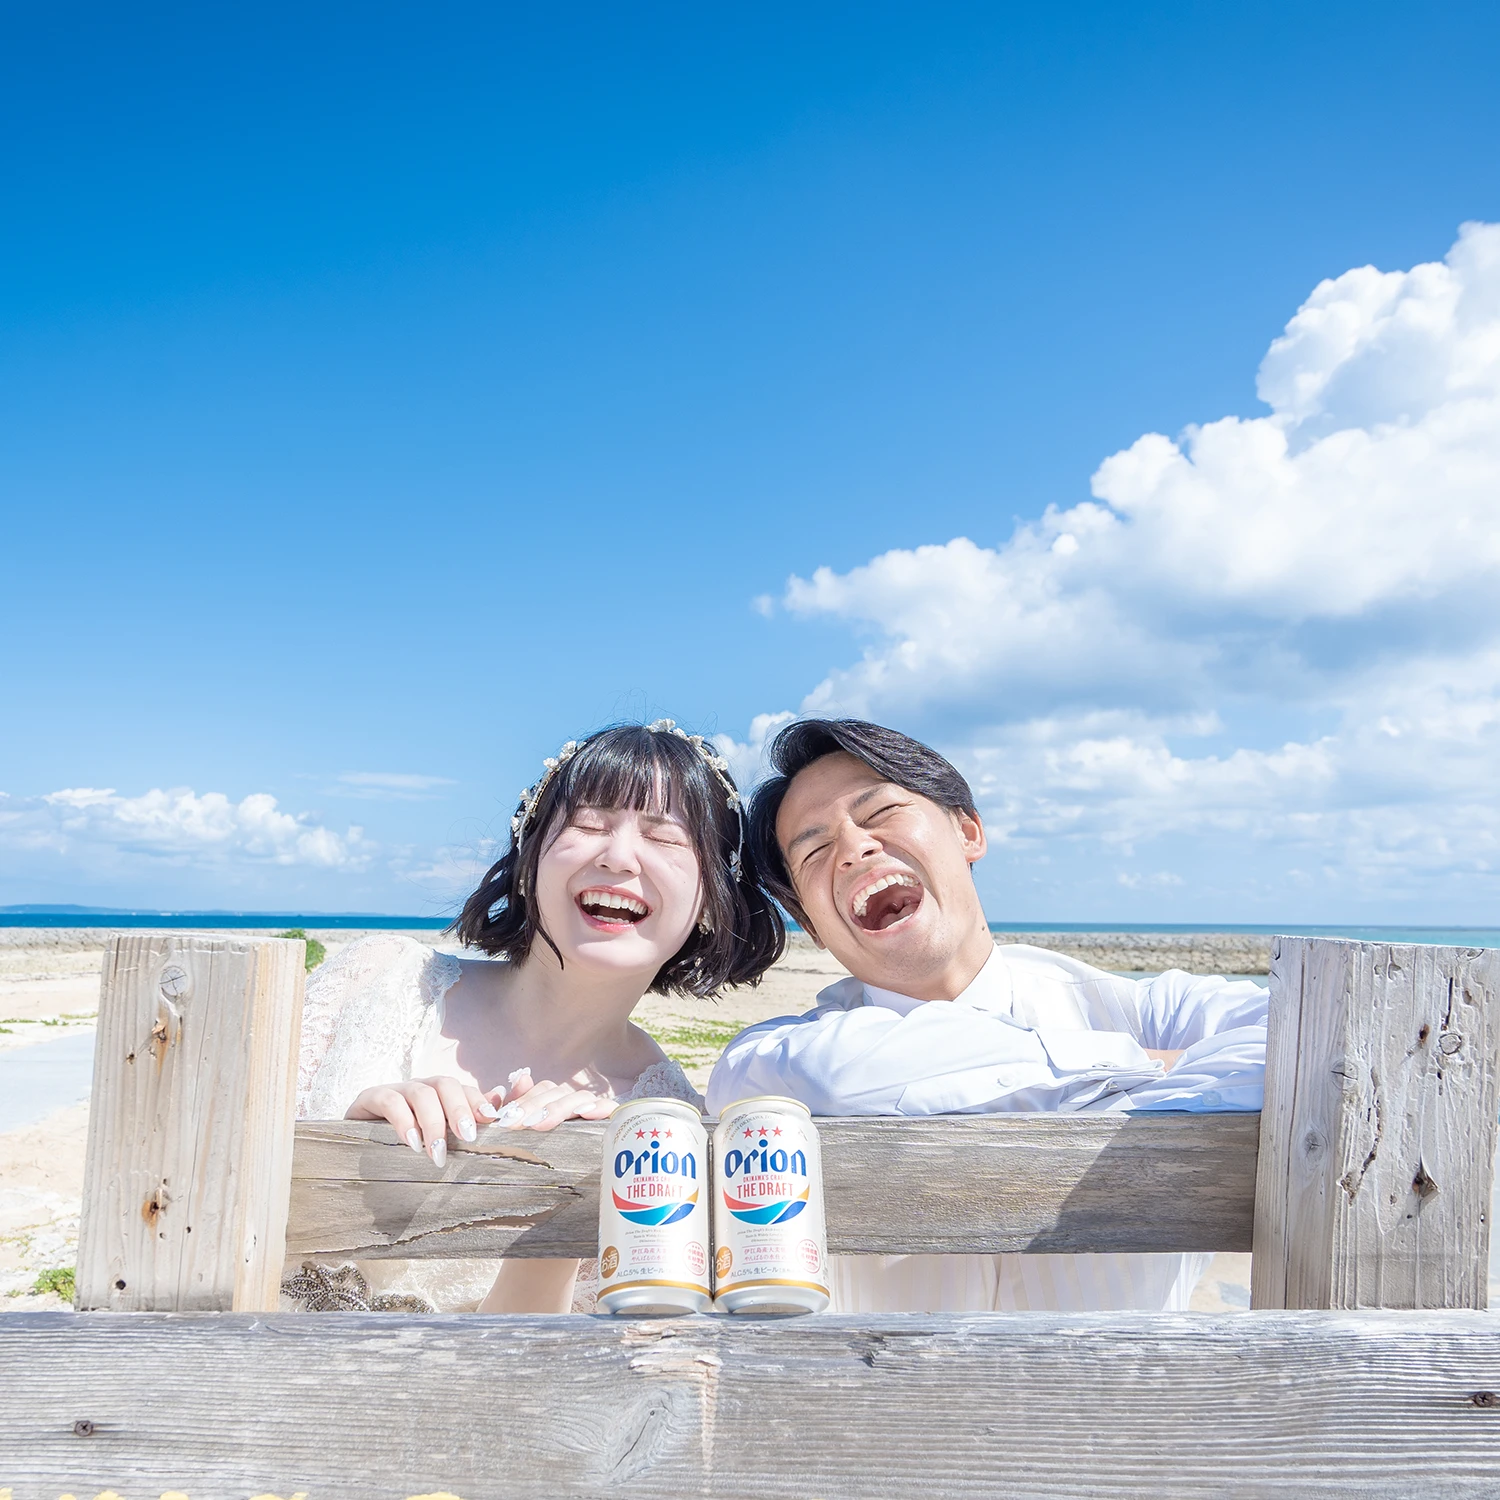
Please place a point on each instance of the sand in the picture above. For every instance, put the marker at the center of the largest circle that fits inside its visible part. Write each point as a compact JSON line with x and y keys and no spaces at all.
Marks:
{"x":49,"y":986}
{"x":41,"y":1187}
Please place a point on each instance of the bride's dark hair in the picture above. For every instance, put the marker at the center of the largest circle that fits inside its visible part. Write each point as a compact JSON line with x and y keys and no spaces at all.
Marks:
{"x":647,"y":770}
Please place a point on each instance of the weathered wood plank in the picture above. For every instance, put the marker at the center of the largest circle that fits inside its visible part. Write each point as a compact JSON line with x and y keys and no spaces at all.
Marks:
{"x":361,"y":1407}
{"x":1062,"y":1183}
{"x":190,"y":1128}
{"x":1378,"y":1136}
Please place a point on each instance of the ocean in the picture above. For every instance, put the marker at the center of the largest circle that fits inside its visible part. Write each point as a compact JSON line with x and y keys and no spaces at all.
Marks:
{"x":69,"y":916}
{"x":39,"y":916}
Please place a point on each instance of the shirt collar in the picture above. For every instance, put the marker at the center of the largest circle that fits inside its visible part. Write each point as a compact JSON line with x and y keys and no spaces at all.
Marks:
{"x":989,"y":990}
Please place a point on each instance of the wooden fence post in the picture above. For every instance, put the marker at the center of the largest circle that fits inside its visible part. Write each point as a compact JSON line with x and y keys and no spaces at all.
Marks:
{"x":190,"y":1127}
{"x":1378,"y":1133}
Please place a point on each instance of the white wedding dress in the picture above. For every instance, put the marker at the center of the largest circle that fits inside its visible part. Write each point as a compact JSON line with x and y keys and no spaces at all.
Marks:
{"x":372,"y":1015}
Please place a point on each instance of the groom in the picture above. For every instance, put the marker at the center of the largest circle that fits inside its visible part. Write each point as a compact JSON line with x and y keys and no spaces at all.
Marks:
{"x":868,"y":838}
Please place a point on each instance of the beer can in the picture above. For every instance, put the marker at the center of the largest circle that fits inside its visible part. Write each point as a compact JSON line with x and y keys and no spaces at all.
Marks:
{"x":653,"y":1209}
{"x":770,"y":1244}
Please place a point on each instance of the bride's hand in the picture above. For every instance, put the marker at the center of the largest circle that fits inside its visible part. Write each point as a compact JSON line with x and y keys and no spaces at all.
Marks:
{"x":545,"y":1105}
{"x":423,"y":1110}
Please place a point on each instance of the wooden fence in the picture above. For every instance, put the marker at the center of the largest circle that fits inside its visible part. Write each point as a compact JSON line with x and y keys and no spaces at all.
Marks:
{"x":1363,"y":1187}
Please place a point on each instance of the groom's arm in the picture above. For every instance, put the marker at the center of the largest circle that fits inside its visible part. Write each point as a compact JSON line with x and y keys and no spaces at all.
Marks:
{"x":940,"y":1058}
{"x":1178,"y":1010}
{"x":1217,"y":1028}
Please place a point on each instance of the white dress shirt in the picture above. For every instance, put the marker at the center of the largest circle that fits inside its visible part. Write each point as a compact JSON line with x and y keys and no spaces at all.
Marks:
{"x":1034,"y":1031}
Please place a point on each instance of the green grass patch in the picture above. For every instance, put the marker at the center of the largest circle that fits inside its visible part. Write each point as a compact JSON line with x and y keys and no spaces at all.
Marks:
{"x":685,"y":1044}
{"x":316,"y":952}
{"x":59,"y":1279}
{"x":7,"y":1022}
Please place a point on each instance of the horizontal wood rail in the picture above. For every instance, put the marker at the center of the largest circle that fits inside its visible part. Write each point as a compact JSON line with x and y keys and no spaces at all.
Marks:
{"x":1365,"y":1182}
{"x":383,"y":1407}
{"x":960,"y":1184}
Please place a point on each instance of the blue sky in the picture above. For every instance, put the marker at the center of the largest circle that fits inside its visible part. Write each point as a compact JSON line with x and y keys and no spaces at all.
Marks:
{"x":388,"y":395}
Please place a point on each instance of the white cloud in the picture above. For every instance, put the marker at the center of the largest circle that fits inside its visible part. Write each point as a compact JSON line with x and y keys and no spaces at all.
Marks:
{"x":1274,"y":628}
{"x":178,"y":825}
{"x":1136,"y":882}
{"x":402,"y":781}
{"x":452,"y":871}
{"x":389,"y":786}
{"x":747,"y":758}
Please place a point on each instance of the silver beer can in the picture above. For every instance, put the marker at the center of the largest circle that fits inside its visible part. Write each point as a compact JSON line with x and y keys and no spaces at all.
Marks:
{"x":771,"y":1251}
{"x":653,"y":1209}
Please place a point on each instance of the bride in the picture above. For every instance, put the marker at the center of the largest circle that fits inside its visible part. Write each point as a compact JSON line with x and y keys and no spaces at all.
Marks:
{"x":623,"y":876}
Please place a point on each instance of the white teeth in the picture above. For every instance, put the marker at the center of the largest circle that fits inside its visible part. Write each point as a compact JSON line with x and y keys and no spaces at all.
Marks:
{"x":615,"y":901}
{"x":862,"y":900}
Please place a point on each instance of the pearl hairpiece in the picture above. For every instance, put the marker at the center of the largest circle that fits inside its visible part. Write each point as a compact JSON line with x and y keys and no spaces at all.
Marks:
{"x":526,"y":809}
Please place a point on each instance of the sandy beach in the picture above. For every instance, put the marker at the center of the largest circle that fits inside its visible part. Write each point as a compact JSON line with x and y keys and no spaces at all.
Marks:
{"x":49,"y":995}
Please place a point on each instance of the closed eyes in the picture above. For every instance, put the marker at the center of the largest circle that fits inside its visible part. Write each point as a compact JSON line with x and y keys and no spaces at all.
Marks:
{"x":667,"y":835}
{"x":864,"y":822}
{"x":812,"y":854}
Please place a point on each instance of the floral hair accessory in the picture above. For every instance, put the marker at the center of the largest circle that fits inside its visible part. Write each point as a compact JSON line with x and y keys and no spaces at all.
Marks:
{"x":526,"y":808}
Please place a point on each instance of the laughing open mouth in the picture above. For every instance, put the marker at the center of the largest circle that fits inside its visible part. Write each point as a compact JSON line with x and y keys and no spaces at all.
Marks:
{"x":613,"y":908}
{"x":886,"y":901}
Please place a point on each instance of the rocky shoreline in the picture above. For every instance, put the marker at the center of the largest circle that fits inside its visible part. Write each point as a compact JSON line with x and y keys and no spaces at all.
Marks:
{"x":92,"y":939}
{"x":1151,"y":952}
{"x":1125,"y":952}
{"x":1140,"y":952}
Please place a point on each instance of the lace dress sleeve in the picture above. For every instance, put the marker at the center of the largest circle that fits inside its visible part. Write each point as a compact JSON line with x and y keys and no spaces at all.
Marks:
{"x":364,"y":1014}
{"x":665,"y":1080}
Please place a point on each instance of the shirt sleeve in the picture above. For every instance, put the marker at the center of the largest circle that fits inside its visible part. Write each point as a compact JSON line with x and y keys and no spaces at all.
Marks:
{"x":1220,"y":1026}
{"x":941,"y":1058}
{"x":1178,"y":1010}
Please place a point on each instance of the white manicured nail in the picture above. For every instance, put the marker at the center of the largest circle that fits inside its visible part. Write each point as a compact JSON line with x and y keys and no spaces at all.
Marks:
{"x":512,"y":1114}
{"x":487,"y":1109}
{"x":439,"y":1153}
{"x":535,"y":1119}
{"x":466,"y":1129}
{"x":519,"y":1073}
{"x":414,"y":1140}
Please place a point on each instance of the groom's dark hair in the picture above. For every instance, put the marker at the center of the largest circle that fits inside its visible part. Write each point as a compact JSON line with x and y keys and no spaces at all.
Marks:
{"x":896,"y":757}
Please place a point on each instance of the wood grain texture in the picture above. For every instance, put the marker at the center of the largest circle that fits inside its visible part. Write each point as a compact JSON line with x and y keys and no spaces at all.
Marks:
{"x":1378,"y":1135}
{"x":967,"y":1184}
{"x":190,"y":1126}
{"x":372,"y":1407}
